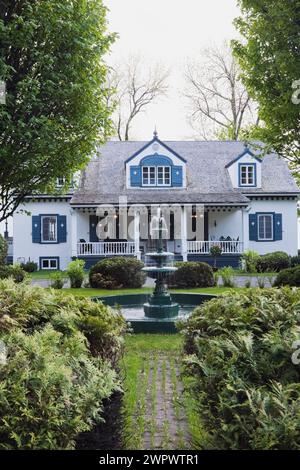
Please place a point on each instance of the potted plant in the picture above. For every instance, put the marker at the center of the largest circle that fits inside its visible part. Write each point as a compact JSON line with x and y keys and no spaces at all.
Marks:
{"x":215,"y":251}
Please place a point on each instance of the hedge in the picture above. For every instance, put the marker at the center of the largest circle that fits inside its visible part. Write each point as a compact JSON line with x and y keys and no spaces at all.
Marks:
{"x":117,"y":272}
{"x":238,"y":355}
{"x":192,"y":274}
{"x":288,"y":277}
{"x":273,"y":262}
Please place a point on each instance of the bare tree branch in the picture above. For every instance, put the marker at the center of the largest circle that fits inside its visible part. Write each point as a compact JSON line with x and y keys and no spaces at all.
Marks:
{"x":218,"y":102}
{"x":136,"y":86}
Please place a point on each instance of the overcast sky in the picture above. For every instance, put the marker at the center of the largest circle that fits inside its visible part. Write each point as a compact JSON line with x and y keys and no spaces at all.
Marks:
{"x":169,"y":31}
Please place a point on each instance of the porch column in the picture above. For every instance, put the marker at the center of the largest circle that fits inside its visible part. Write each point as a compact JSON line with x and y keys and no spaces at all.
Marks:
{"x":183,"y":233}
{"x":245,"y":225}
{"x":73,"y":232}
{"x":137,"y":234}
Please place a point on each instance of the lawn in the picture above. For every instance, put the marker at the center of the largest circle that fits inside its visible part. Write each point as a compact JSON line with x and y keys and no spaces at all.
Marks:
{"x":89,"y":292}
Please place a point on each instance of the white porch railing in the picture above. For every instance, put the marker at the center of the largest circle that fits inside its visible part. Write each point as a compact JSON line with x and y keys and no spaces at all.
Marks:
{"x":227,"y":247}
{"x":105,"y":248}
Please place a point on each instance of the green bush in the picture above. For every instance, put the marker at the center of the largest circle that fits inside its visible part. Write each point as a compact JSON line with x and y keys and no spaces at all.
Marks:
{"x":295,"y":261}
{"x":14,"y":271}
{"x":29,"y":266}
{"x":57,"y":280}
{"x":75,"y":272}
{"x":273,"y":262}
{"x":239,"y":350}
{"x":117,"y":272}
{"x":3,"y":250}
{"x":249,"y":261}
{"x":288,"y":277}
{"x":227,"y":275}
{"x":192,"y":274}
{"x":62,"y":354}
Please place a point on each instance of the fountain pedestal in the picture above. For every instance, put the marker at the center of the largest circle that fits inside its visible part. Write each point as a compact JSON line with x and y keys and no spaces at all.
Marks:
{"x":160,"y":304}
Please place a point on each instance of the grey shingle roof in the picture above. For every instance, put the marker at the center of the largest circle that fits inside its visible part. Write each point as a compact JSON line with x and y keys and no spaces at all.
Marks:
{"x":208,"y":181}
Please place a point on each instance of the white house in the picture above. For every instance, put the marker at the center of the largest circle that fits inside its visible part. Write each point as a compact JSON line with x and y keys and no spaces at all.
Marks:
{"x":212,"y":192}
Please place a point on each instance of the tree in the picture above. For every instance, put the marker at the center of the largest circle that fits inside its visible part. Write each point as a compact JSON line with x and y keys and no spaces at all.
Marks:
{"x":136,"y":86}
{"x":219,"y":105}
{"x":270,"y":60}
{"x":51,"y":59}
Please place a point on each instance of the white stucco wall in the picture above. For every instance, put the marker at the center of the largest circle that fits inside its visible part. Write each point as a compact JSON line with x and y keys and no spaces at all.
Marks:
{"x":224,"y":224}
{"x":289,"y":242}
{"x":22,"y":229}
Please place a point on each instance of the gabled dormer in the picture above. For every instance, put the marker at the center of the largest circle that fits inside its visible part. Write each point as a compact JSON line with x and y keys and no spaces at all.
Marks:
{"x":155,"y":165}
{"x":245,"y":170}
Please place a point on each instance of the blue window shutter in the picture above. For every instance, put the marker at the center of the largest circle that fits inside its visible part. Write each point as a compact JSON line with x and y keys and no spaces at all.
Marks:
{"x":253,"y":227}
{"x":277,"y":227}
{"x":135,"y":176}
{"x":93,"y":226}
{"x":61,"y":228}
{"x":177,"y":176}
{"x":36,"y":229}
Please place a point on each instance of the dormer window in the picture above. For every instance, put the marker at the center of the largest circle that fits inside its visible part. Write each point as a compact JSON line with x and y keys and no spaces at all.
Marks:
{"x":156,"y":176}
{"x":60,"y":182}
{"x":247,"y":174}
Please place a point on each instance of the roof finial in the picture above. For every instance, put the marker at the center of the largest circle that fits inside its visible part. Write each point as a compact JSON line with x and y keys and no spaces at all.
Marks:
{"x":155,"y":134}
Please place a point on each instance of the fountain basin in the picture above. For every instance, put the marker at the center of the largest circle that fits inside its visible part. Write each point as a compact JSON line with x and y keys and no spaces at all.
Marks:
{"x":132,"y":308}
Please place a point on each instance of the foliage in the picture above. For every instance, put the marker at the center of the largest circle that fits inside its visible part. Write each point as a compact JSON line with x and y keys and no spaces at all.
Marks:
{"x":270,"y":60}
{"x":227,"y":275}
{"x":215,"y":251}
{"x":62,"y":356}
{"x":249,"y":260}
{"x":288,"y":277}
{"x":295,"y":261}
{"x":75,"y":272}
{"x":51,"y":59}
{"x":57,"y":280}
{"x":117,"y":272}
{"x":239,"y":351}
{"x":192,"y":274}
{"x":29,"y":267}
{"x":14,"y":271}
{"x":273,"y":262}
{"x":3,"y":250}
{"x":51,"y":389}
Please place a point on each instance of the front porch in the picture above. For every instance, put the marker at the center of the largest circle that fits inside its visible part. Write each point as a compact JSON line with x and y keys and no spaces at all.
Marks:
{"x":223,"y":226}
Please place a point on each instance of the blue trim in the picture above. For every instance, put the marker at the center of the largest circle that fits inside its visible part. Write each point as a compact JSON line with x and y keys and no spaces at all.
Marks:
{"x":49,"y":257}
{"x":156,"y":160}
{"x":254,"y":174}
{"x":245,"y":152}
{"x":150,"y":143}
{"x":224,"y":260}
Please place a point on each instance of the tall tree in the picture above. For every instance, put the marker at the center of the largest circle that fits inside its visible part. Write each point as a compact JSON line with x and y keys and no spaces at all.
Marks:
{"x":51,"y":60}
{"x":270,"y":60}
{"x":136,"y":85}
{"x":219,"y":105}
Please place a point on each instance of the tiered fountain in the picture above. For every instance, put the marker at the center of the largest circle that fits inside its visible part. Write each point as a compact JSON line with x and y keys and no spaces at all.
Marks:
{"x":160,"y":304}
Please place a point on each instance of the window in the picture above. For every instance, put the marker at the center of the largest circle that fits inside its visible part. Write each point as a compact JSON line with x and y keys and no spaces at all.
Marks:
{"x":247,"y":175}
{"x":156,"y":176}
{"x":49,"y":263}
{"x":265,"y":227}
{"x":60,"y":182}
{"x":49,"y":229}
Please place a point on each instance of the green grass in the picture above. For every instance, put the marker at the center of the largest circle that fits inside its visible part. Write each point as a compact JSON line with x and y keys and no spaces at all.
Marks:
{"x":89,"y":292}
{"x":43,"y":274}
{"x":238,"y":272}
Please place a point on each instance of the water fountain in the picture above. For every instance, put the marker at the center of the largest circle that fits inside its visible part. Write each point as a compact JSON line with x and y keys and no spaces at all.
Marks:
{"x":157,"y":312}
{"x":160,"y":304}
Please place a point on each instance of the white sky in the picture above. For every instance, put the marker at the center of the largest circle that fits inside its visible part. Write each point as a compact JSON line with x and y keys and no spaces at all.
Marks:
{"x":169,"y":31}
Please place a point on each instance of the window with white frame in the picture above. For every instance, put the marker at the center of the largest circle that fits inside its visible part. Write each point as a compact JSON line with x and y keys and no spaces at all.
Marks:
{"x":156,"y":176}
{"x":49,"y":229}
{"x":49,"y":263}
{"x":60,"y":182}
{"x":247,"y":175}
{"x":265,"y":227}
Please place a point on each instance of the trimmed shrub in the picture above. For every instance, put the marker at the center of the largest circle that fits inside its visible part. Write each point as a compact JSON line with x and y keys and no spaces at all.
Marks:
{"x":3,"y":250}
{"x":295,"y":261}
{"x":239,"y":349}
{"x":29,"y":267}
{"x":62,"y":353}
{"x":192,"y":274}
{"x":273,"y":262}
{"x":114,"y":273}
{"x":249,"y":261}
{"x":75,"y":272}
{"x":14,"y":271}
{"x":288,"y":277}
